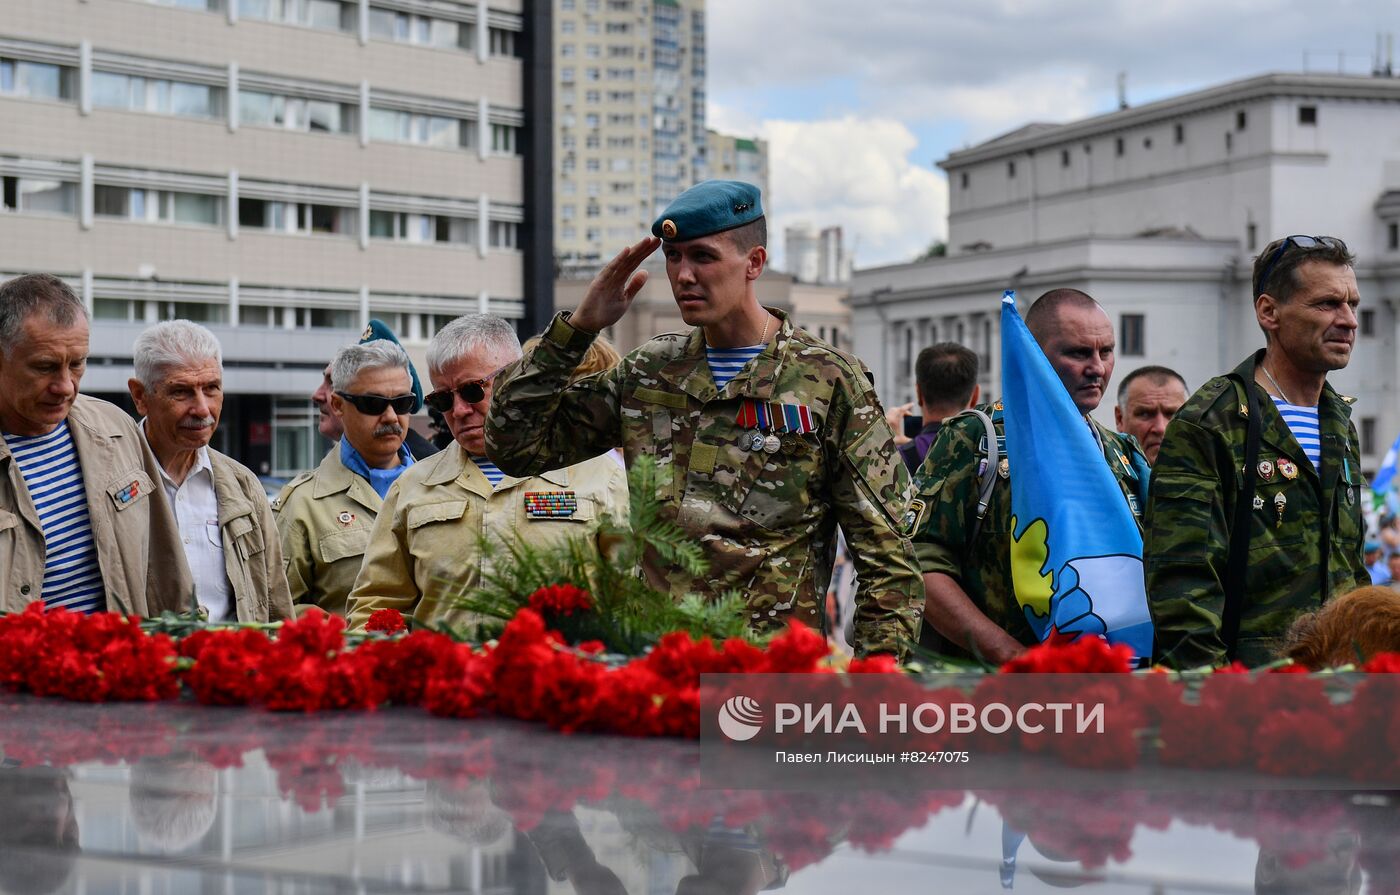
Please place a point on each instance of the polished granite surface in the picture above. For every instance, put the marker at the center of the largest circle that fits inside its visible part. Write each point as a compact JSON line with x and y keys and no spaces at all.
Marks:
{"x":176,"y":798}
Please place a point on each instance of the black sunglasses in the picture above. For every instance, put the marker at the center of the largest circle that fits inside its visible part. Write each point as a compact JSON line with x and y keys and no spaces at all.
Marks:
{"x":471,"y":392}
{"x":373,"y":405}
{"x":1302,"y":242}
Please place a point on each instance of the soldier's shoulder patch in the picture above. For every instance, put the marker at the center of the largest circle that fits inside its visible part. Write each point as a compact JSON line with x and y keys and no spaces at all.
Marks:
{"x":914,"y":517}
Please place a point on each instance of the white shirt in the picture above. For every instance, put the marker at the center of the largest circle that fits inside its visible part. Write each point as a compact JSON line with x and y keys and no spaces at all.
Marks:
{"x":196,"y":508}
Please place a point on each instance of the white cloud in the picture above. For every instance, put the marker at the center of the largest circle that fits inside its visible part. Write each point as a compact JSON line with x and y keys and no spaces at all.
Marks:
{"x":856,"y":173}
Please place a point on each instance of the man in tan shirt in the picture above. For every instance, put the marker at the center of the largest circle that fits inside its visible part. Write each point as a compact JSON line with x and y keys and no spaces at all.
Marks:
{"x":325,"y":515}
{"x":230,"y":539}
{"x":424,"y":550}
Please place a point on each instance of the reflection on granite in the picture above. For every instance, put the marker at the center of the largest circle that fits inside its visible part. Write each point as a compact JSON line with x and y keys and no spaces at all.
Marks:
{"x":174,"y":798}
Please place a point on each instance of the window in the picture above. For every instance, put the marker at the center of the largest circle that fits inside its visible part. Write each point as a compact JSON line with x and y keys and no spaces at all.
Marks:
{"x":1179,"y":133}
{"x":963,"y":180}
{"x":1392,"y":236}
{"x":1368,"y":435}
{"x":1010,"y":169}
{"x":392,"y":126}
{"x":1118,"y":147}
{"x":1307,"y":115}
{"x":37,"y":80}
{"x":566,"y":51}
{"x":422,"y":228}
{"x":208,"y":5}
{"x":326,"y":15}
{"x":157,"y":206}
{"x":1146,"y":142}
{"x":1241,"y":120}
{"x":137,"y":94}
{"x":1132,"y":335}
{"x":34,"y":195}
{"x":566,"y":27}
{"x":504,"y":43}
{"x":593,"y":51}
{"x":1064,"y":158}
{"x":505,"y":139}
{"x":296,"y":217}
{"x":295,"y":113}
{"x":505,"y":235}
{"x":1229,"y":142}
{"x":1251,"y":237}
{"x":1367,"y":322}
{"x":423,"y":31}
{"x":591,"y":96}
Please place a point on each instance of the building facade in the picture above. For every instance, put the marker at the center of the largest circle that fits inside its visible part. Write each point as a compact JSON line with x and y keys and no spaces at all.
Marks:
{"x":629,"y":103}
{"x":739,"y":158}
{"x":281,"y":171}
{"x":1158,"y":212}
{"x":816,"y":257}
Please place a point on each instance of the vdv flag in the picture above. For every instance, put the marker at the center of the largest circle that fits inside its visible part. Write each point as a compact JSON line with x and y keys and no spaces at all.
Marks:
{"x":1076,"y":552}
{"x":1385,"y":476}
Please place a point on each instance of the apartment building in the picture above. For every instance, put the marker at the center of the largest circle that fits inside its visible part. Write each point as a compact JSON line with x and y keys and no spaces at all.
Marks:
{"x":281,"y":171}
{"x":1158,"y":212}
{"x":738,"y":158}
{"x":629,"y":105}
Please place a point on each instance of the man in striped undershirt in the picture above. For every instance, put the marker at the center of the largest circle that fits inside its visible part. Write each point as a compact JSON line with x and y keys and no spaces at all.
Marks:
{"x":83,"y":525}
{"x":1297,"y":479}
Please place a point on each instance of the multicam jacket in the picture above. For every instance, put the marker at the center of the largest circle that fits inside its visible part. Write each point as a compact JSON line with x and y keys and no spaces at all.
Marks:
{"x":1296,"y":518}
{"x":766,"y":521}
{"x":948,"y":484}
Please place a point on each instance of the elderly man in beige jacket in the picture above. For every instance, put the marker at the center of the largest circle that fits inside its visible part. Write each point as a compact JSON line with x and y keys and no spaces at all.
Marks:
{"x":424,"y":549}
{"x":83,"y":523}
{"x":226,"y":525}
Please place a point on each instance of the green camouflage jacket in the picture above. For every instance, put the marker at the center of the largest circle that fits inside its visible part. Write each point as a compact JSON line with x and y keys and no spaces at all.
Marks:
{"x":948,"y":484}
{"x":1194,"y":487}
{"x":766,"y":521}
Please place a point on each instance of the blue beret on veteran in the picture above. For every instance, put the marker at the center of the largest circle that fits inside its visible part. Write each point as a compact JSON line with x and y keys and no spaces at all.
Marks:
{"x":378,"y":329}
{"x":710,"y":207}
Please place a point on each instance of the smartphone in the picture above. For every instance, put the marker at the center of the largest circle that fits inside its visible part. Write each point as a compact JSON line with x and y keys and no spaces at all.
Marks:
{"x":913,"y":425}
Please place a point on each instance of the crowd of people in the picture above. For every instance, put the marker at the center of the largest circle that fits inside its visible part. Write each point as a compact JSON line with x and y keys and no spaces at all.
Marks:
{"x":768,"y":442}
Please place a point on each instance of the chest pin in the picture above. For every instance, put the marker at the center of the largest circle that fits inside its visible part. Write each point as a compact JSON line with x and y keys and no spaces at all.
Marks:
{"x":1280,"y":501}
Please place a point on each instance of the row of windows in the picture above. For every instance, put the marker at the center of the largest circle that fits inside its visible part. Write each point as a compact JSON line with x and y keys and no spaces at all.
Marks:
{"x":567,"y":74}
{"x":595,"y":234}
{"x":593,"y":6}
{"x":201,"y":209}
{"x":594,"y":210}
{"x":187,"y":100}
{"x":616,"y":188}
{"x":1307,"y":117}
{"x":569,"y":26}
{"x":568,"y":164}
{"x":384,"y":24}
{"x":569,"y":96}
{"x":595,"y":51}
{"x":267,"y":316}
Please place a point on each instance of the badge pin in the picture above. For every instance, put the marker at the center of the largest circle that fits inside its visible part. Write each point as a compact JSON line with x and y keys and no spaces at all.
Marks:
{"x":1004,"y":468}
{"x":1351,"y":496}
{"x":1266,"y":470}
{"x":771,"y":444}
{"x":1287,"y":468}
{"x":1258,"y":502}
{"x":1280,"y":502}
{"x":345,"y":518}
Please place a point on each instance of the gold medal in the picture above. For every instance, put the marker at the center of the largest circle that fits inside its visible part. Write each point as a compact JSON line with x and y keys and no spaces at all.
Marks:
{"x":1287,"y":468}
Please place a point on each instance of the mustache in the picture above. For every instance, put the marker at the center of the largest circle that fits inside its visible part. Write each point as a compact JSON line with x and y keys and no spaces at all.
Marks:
{"x":203,"y":423}
{"x":388,"y":429}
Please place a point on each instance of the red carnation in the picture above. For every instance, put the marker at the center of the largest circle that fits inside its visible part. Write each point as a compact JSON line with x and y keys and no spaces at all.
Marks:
{"x":388,"y":621}
{"x":560,"y":599}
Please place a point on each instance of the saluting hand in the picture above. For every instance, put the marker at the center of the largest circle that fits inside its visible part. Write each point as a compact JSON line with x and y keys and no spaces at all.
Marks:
{"x":612,"y":290}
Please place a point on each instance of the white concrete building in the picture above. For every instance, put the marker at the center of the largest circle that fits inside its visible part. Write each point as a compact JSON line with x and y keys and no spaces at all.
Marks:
{"x":281,"y":172}
{"x":1158,"y":211}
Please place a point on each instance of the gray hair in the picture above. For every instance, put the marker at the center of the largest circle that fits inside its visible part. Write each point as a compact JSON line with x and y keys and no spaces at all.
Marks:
{"x":172,"y":344}
{"x":352,"y":360}
{"x":36,"y":293}
{"x":467,"y":333}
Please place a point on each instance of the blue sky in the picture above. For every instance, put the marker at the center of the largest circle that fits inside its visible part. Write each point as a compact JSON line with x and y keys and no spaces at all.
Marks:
{"x":859,"y":101}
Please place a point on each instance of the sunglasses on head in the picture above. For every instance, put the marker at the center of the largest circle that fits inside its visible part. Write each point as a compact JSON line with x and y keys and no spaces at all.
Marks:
{"x":1302,"y":242}
{"x":373,"y":405}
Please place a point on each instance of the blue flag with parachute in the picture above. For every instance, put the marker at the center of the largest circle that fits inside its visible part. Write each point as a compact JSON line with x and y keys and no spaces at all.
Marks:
{"x":1076,"y":550}
{"x":1385,"y":476}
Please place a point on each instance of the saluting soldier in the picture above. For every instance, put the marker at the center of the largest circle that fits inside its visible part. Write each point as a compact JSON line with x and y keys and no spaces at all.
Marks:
{"x":963,"y":541}
{"x":765,"y":437}
{"x":1255,"y":511}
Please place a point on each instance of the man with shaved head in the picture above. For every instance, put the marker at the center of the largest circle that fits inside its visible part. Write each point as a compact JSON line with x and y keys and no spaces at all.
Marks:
{"x":963,"y":538}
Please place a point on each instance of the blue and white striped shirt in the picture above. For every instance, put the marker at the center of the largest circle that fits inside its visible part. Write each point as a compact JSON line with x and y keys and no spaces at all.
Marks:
{"x":1302,"y":422}
{"x":49,"y":466}
{"x":725,"y":363}
{"x":490,"y":470}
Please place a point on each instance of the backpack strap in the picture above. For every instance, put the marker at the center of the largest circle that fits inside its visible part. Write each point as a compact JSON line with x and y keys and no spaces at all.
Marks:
{"x":1237,"y":564}
{"x":989,"y":475}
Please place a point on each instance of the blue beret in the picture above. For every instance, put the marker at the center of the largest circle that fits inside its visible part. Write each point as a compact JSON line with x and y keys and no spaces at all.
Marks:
{"x":1372,"y":546}
{"x":710,"y":207}
{"x":378,"y":329}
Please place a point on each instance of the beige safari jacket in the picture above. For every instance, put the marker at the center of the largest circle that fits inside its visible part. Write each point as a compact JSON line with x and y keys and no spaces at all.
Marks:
{"x":252,"y":545}
{"x":423,"y":551}
{"x":138,"y":543}
{"x":324,"y":517}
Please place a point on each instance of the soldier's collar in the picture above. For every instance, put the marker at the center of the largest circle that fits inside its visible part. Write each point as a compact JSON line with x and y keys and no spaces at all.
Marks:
{"x":691,"y":372}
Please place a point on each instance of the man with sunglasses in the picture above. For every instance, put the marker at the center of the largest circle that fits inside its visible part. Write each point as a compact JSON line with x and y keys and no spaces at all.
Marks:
{"x":767,"y":437}
{"x":325,"y":515}
{"x":1255,"y":508}
{"x":424,"y":550}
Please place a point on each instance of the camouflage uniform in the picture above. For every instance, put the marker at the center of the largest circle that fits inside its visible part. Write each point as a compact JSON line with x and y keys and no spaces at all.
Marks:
{"x":1194,"y":488}
{"x":766,"y":521}
{"x":949,"y":482}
